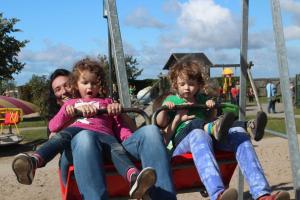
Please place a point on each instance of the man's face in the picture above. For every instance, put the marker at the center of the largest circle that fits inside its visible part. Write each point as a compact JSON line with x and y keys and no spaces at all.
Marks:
{"x":61,"y":89}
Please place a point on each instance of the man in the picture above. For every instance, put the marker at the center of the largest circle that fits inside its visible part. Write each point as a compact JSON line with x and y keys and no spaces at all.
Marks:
{"x":271,"y":94}
{"x":86,"y":153}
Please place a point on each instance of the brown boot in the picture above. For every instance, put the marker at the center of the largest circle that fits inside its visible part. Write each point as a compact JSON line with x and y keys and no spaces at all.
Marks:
{"x":228,"y":194}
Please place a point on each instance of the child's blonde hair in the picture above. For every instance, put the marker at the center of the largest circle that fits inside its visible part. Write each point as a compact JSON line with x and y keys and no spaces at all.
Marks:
{"x":92,"y":66}
{"x":187,"y":68}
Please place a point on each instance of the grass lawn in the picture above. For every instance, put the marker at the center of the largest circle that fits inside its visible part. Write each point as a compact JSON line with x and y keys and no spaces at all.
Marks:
{"x":38,"y":123}
{"x":278,"y":124}
{"x":297,"y":110}
{"x":31,"y":135}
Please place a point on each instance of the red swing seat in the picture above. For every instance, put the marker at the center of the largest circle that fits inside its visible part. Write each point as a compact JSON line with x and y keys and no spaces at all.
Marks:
{"x":184,"y":173}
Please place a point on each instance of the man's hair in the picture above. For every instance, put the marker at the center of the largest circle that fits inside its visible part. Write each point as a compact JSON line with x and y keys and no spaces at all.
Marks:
{"x":53,"y":107}
{"x":188,"y":68}
{"x":59,"y":72}
{"x":92,"y":66}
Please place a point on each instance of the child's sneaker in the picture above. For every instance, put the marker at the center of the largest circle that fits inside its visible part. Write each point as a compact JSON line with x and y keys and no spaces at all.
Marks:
{"x":220,"y":127}
{"x":24,"y":167}
{"x":281,"y":195}
{"x":142,"y":182}
{"x":256,"y":127}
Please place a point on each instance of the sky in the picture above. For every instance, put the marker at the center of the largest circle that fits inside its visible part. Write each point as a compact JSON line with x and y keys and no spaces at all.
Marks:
{"x":63,"y":31}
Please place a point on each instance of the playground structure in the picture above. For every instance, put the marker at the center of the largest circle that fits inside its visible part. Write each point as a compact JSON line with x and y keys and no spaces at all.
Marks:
{"x":10,"y":117}
{"x":116,"y":60}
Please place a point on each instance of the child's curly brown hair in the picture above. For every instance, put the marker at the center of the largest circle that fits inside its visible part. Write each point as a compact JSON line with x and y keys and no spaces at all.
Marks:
{"x":188,"y":68}
{"x":92,"y":66}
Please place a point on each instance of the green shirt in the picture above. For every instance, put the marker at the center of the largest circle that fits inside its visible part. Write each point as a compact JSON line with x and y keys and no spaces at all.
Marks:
{"x":200,"y":99}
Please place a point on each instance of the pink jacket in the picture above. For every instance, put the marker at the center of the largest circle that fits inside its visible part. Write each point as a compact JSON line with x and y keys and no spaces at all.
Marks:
{"x":103,"y":123}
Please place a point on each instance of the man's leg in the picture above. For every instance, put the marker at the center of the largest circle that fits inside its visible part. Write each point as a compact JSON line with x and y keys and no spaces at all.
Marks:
{"x":147,"y":145}
{"x":273,"y":106}
{"x":65,"y":161}
{"x":239,"y":143}
{"x":269,"y":105}
{"x":89,"y":165}
{"x":200,"y":145}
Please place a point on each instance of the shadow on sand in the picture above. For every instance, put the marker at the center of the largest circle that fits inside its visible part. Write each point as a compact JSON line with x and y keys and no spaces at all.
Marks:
{"x":14,"y":149}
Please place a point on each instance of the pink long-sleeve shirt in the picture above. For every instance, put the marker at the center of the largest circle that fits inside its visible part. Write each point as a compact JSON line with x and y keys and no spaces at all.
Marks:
{"x":112,"y":125}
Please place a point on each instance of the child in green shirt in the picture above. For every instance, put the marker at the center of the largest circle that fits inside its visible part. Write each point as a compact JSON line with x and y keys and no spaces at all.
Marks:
{"x":189,"y":128}
{"x":188,"y":82}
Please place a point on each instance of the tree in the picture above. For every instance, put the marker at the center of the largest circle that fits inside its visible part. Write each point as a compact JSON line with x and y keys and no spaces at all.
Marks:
{"x":37,"y":92}
{"x":8,"y":86}
{"x":131,"y":68}
{"x":131,"y":65}
{"x":9,"y":49}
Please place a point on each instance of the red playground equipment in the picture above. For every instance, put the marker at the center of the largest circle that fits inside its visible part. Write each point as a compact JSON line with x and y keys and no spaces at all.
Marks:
{"x":184,"y":173}
{"x":185,"y":176}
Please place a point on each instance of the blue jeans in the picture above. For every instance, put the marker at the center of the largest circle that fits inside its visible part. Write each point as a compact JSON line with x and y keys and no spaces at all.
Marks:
{"x":146,"y":145}
{"x":202,"y":147}
{"x":112,"y":149}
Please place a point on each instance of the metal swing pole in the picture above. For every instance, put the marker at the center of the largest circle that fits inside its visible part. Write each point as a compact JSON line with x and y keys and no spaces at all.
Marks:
{"x":286,"y":96}
{"x":110,"y":82}
{"x":243,"y":79}
{"x":117,"y":51}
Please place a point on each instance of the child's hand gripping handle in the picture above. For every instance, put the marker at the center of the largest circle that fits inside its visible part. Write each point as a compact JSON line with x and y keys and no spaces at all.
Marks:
{"x":124,"y":110}
{"x":182,"y":107}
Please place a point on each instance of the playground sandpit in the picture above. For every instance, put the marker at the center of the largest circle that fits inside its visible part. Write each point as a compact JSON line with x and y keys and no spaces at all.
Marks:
{"x":272,"y":152}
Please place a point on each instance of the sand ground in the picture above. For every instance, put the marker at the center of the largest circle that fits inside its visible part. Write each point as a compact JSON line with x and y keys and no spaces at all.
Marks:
{"x":272,"y":152}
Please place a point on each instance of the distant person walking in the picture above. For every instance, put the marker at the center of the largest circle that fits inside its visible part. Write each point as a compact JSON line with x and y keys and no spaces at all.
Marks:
{"x":271,"y":94}
{"x":235,"y":94}
{"x":250,"y":94}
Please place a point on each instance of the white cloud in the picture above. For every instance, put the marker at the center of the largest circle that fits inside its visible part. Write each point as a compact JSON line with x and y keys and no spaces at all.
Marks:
{"x":293,"y":59}
{"x":45,"y":61}
{"x":208,"y":25}
{"x":292,"y":32}
{"x":59,"y":54}
{"x":141,"y":18}
{"x":171,"y":6}
{"x":291,"y":6}
{"x":204,"y":26}
{"x":130,"y":49}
